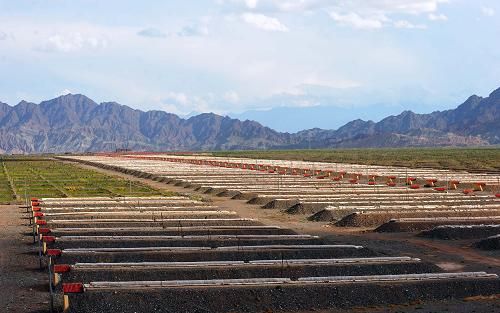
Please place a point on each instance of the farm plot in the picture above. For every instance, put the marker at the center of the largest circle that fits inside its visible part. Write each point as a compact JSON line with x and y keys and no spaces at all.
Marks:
{"x":389,"y":199}
{"x":477,"y":159}
{"x":50,"y":178}
{"x":151,"y":253}
{"x":322,"y":191}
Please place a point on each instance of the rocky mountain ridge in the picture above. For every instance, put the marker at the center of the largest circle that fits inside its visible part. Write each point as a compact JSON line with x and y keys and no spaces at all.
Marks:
{"x":75,"y":123}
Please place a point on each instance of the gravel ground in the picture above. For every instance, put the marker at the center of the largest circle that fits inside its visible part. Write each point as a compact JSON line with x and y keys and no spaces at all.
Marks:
{"x":23,"y":287}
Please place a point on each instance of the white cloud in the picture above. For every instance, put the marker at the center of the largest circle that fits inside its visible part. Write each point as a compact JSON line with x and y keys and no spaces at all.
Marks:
{"x":406,"y":24}
{"x":251,"y":4}
{"x":3,"y":35}
{"x":358,"y":6}
{"x":437,"y":17}
{"x":72,"y":42}
{"x":63,"y":92}
{"x":264,"y":22}
{"x":277,"y":5}
{"x":181,"y":103}
{"x":291,"y":91}
{"x":305,"y":103}
{"x":359,"y":14}
{"x":177,"y":97}
{"x":487,"y":11}
{"x":184,"y":103}
{"x":421,"y":6}
{"x":301,"y":5}
{"x":354,"y":20}
{"x":170,"y":108}
{"x":232,"y":97}
{"x":413,"y":7}
{"x":303,"y":86}
{"x":152,"y":33}
{"x":373,"y":14}
{"x":329,"y":83}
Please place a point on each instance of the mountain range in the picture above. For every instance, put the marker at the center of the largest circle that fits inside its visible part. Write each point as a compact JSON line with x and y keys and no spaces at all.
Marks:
{"x":75,"y":123}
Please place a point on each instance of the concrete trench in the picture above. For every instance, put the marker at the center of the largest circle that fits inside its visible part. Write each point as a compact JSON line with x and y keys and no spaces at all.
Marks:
{"x":174,"y":241}
{"x":120,"y":202}
{"x":140,"y":215}
{"x":180,"y":207}
{"x":174,"y":222}
{"x":172,"y":231}
{"x":208,"y":254}
{"x":276,"y":297}
{"x":241,"y":271}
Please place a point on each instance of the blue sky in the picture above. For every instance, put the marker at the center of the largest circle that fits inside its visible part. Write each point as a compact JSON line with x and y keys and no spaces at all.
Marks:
{"x":344,"y":58}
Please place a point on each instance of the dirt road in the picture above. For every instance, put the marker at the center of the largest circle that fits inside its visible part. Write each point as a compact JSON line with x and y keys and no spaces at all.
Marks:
{"x":23,"y":287}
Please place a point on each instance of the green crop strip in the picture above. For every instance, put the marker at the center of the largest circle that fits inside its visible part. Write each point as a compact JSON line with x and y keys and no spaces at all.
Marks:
{"x":43,"y":177}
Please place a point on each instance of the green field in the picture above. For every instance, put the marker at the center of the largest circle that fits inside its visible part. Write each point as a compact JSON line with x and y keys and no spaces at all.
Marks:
{"x":472,"y":159}
{"x":40,"y":177}
{"x":6,"y":193}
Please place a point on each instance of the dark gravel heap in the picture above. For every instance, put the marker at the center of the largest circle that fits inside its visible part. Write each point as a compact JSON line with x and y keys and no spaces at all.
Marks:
{"x":461,"y":231}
